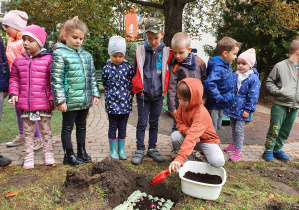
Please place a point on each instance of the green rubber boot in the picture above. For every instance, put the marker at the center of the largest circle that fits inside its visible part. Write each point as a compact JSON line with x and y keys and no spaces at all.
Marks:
{"x":113,"y":152}
{"x":121,"y":152}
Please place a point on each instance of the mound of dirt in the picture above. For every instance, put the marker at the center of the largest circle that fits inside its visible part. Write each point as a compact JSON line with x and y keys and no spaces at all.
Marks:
{"x":117,"y":181}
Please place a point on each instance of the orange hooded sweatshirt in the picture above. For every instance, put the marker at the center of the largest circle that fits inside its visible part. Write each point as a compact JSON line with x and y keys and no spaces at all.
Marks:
{"x":195,"y":121}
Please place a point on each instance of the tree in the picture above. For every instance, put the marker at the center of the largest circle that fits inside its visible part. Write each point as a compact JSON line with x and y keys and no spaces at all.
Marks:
{"x":262,"y":26}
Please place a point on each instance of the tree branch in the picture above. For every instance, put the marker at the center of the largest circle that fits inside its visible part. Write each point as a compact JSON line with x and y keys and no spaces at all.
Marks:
{"x":149,"y":4}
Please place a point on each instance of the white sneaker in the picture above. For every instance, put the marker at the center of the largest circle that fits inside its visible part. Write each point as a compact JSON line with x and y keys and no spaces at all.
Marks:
{"x":37,"y":143}
{"x":16,"y":142}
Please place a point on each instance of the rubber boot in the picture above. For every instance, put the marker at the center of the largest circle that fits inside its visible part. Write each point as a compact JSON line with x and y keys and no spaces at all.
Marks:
{"x":121,"y":152}
{"x":113,"y":152}
{"x":81,"y":153}
{"x":70,"y":158}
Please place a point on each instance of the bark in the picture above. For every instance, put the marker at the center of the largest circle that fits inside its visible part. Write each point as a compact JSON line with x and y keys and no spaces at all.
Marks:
{"x":263,"y":90}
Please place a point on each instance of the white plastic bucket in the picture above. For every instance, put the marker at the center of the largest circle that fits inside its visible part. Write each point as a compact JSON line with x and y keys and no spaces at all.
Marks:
{"x":199,"y":189}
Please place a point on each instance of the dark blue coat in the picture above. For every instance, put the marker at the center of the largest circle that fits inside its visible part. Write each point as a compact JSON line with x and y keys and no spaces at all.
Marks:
{"x":4,"y":69}
{"x":219,"y":85}
{"x":246,"y":98}
{"x":117,"y":81}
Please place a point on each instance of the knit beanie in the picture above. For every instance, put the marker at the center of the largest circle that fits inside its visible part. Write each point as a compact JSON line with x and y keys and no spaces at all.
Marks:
{"x":37,"y":33}
{"x":249,"y":56}
{"x":117,"y":44}
{"x":16,"y":19}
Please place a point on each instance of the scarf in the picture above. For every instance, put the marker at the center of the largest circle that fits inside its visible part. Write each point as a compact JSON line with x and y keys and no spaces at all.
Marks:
{"x":242,"y":77}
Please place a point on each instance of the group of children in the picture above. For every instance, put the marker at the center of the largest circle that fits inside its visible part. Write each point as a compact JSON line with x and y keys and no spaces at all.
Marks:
{"x":197,"y":96}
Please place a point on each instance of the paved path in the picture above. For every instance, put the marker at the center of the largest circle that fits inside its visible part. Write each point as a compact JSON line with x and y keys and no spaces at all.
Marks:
{"x":97,"y":144}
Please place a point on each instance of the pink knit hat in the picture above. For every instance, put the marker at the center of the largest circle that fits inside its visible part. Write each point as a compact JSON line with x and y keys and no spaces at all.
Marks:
{"x":16,"y":19}
{"x":36,"y":33}
{"x":249,"y":56}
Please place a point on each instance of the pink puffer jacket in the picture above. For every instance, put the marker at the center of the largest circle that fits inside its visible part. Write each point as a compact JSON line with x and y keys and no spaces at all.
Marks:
{"x":30,"y":79}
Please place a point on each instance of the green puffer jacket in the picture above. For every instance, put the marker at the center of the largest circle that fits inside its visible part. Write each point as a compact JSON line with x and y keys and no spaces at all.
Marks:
{"x":73,"y":77}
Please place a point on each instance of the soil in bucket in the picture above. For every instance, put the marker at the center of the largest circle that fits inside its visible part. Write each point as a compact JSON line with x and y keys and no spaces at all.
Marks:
{"x":203,"y":178}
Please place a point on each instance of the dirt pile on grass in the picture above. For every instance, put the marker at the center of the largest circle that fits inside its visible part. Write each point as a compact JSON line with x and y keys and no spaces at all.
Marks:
{"x":116,"y":180}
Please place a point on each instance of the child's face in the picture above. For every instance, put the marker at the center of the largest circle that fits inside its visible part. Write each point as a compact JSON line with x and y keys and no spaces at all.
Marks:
{"x":230,"y":56}
{"x":117,"y":58}
{"x":242,"y":65}
{"x":181,"y":52}
{"x":74,"y":39}
{"x":11,"y":32}
{"x":183,"y":101}
{"x":154,"y":39}
{"x":30,"y":45}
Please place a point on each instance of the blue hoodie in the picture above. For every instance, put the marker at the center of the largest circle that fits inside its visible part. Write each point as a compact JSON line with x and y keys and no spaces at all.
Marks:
{"x":4,"y":71}
{"x":246,"y":98}
{"x":219,"y":85}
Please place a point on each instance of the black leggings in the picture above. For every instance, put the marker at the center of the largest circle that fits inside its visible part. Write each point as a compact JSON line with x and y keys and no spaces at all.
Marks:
{"x":117,"y":121}
{"x":68,"y":119}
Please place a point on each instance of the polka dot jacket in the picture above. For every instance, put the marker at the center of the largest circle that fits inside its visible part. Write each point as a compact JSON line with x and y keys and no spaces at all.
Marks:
{"x":117,"y":81}
{"x":246,"y":98}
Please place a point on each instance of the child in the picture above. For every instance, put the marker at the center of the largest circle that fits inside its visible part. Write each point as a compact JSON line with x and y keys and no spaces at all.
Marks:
{"x":186,"y":65}
{"x":283,"y":84}
{"x":4,"y":81}
{"x":219,"y":85}
{"x":75,"y":88}
{"x":13,"y":23}
{"x":195,"y":127}
{"x":29,"y":85}
{"x":247,"y":87}
{"x":117,"y":80}
{"x":150,"y":84}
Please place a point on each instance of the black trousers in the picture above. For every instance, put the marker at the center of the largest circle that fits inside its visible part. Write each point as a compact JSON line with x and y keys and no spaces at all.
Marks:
{"x":117,"y":122}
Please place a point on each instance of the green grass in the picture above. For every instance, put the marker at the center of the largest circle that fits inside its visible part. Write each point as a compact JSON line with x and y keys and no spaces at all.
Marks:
{"x":9,"y":127}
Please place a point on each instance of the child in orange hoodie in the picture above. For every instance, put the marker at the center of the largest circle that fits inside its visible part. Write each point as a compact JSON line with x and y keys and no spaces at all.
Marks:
{"x":195,"y":126}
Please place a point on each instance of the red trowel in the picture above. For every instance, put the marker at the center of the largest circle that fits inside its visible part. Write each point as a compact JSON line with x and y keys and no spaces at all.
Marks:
{"x":160,"y":177}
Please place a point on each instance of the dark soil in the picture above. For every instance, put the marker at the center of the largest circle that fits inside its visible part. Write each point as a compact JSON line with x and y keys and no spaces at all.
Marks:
{"x":204,"y":178}
{"x":117,"y":181}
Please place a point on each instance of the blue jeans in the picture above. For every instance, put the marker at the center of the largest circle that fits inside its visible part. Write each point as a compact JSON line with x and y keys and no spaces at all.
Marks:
{"x":148,"y":111}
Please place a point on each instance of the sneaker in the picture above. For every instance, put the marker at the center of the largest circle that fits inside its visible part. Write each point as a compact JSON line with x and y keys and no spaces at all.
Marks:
{"x":29,"y":162}
{"x":16,"y":142}
{"x":174,"y":153}
{"x":137,"y":157}
{"x":231,"y":148}
{"x":49,"y":158}
{"x":280,"y":155}
{"x":4,"y":161}
{"x":197,"y":155}
{"x":236,"y":156}
{"x":157,"y":157}
{"x":37,"y":143}
{"x":268,"y":156}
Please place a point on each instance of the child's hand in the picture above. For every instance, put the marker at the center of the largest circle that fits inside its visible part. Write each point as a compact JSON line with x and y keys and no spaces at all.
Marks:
{"x":51,"y":102}
{"x":5,"y":94}
{"x":172,"y":113}
{"x":13,"y":100}
{"x":174,"y":165}
{"x":245,"y":114}
{"x":95,"y":100}
{"x":62,"y":107}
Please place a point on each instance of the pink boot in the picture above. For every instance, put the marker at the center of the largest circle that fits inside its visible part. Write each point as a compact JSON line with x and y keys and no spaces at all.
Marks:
{"x":236,"y":156}
{"x":230,"y":148}
{"x":29,"y":161}
{"x":49,"y":158}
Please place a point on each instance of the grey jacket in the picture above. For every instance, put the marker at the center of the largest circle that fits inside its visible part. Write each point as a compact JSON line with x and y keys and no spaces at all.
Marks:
{"x":283,"y":83}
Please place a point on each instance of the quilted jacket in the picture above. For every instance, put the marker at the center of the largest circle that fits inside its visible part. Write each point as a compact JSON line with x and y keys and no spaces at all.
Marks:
{"x":30,"y":79}
{"x":74,"y":78}
{"x":4,"y":69}
{"x":14,"y":49}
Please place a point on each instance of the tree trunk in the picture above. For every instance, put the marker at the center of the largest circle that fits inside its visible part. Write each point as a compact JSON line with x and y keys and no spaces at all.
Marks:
{"x":263,"y":90}
{"x":173,"y":14}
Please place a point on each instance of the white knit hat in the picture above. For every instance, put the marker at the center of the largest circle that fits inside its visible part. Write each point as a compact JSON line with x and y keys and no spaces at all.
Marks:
{"x":117,"y":44}
{"x":16,"y":19}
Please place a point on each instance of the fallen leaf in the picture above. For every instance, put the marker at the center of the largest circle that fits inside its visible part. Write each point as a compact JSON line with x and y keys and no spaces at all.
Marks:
{"x":54,"y":165}
{"x":10,"y":194}
{"x":253,"y":138}
{"x":59,"y":208}
{"x":271,"y":196}
{"x":89,"y":141}
{"x":281,"y":175}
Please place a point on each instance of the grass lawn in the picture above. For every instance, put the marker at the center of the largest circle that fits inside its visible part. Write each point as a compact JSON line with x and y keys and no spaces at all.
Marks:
{"x":9,"y":127}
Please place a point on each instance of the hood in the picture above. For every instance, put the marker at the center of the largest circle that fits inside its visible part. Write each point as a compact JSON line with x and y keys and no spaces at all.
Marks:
{"x":63,"y":46}
{"x":196,"y":90}
{"x":148,"y":47}
{"x":215,"y":61}
{"x":255,"y":72}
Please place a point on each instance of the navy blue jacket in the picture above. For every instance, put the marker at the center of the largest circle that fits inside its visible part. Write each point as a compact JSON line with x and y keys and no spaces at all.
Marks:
{"x":117,"y":81}
{"x":152,"y":72}
{"x":4,"y":69}
{"x":246,"y":98}
{"x":219,"y":85}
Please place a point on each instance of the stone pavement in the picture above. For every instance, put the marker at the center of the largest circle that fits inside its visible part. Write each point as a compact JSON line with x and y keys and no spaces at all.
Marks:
{"x":97,"y":144}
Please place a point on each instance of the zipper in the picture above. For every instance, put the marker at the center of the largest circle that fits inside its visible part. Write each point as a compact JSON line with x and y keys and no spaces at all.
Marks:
{"x":29,"y":78}
{"x":85,"y":92}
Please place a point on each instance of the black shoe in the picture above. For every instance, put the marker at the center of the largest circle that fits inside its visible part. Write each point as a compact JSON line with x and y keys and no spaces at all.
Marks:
{"x":71,"y":159}
{"x":81,"y":153}
{"x":157,"y":157}
{"x":4,"y":161}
